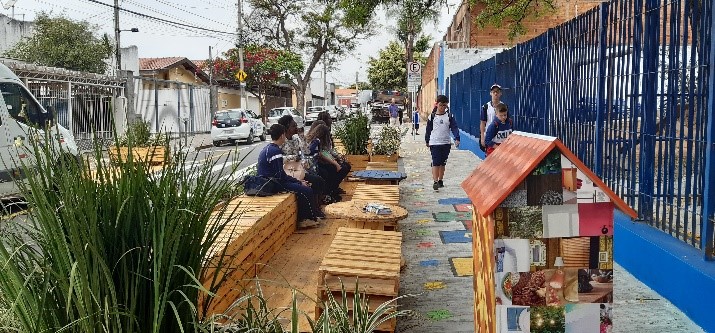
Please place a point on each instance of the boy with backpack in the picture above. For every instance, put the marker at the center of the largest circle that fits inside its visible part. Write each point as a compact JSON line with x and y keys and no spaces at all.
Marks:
{"x":437,"y":137}
{"x":488,"y":113}
{"x":499,"y":129}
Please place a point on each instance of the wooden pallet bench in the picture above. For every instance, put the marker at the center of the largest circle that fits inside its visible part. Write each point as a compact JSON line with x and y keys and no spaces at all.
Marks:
{"x":251,"y":237}
{"x":389,"y":194}
{"x":389,"y":166}
{"x":369,"y":257}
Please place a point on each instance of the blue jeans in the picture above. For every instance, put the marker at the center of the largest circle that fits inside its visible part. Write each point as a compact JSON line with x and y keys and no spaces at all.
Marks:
{"x":307,"y":208}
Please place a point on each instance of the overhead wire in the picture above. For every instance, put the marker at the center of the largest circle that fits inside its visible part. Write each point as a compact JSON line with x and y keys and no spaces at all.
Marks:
{"x":186,"y":11}
{"x":163,"y":20}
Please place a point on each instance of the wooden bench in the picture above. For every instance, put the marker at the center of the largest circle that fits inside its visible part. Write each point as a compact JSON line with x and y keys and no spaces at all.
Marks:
{"x":389,"y":166}
{"x":369,"y":257}
{"x":389,"y":194}
{"x":257,"y":230}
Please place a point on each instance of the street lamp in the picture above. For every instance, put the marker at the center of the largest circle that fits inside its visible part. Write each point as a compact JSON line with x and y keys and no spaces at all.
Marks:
{"x":117,"y":52}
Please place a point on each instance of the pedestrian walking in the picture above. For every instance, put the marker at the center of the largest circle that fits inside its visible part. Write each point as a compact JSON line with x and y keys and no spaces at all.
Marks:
{"x":416,"y":122}
{"x":437,"y":137}
{"x":488,"y":113}
{"x":394,"y":112}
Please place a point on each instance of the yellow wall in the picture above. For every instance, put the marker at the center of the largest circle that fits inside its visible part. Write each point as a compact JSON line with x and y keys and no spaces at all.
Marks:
{"x":182,"y":75}
{"x":229,"y":100}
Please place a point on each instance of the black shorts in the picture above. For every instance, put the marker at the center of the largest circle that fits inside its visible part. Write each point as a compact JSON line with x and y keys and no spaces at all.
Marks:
{"x":440,"y":153}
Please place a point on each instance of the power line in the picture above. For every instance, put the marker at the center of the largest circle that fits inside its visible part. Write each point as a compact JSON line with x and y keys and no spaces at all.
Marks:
{"x":162,"y":13}
{"x":186,"y":11}
{"x":163,"y":20}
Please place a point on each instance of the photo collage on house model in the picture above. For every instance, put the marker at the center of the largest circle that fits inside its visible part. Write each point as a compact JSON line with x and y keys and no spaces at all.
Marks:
{"x":554,"y":253}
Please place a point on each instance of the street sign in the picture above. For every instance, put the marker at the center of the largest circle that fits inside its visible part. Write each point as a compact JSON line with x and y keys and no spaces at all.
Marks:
{"x":411,"y":88}
{"x":241,"y":75}
{"x":414,"y":68}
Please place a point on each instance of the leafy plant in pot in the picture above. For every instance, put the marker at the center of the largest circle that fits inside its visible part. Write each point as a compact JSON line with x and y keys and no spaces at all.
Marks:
{"x":387,"y":144}
{"x":145,"y":146}
{"x":354,"y":134}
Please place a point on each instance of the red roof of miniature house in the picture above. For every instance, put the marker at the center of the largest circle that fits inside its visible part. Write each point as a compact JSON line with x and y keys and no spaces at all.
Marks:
{"x":495,"y":178}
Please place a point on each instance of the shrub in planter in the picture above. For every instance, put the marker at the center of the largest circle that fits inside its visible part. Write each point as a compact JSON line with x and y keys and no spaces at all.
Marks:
{"x":388,"y":142}
{"x":122,"y":252}
{"x":144,"y":146}
{"x":354,"y":134}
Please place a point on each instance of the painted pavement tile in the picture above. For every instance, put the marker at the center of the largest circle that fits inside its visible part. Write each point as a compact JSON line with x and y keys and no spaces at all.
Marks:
{"x":454,"y":201}
{"x":455,"y":236}
{"x":461,"y":266}
{"x":452,"y":216}
{"x":463,"y":207}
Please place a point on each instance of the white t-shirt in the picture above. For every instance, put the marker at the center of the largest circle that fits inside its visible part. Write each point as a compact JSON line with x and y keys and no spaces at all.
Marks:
{"x":440,"y":130}
{"x":491,"y":113}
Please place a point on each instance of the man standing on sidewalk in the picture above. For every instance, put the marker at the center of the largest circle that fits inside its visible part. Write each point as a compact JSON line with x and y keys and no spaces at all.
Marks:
{"x":488,"y":112}
{"x":394,"y":113}
{"x":439,"y":125}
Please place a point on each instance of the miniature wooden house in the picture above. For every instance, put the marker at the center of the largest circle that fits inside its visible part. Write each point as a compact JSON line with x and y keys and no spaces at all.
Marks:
{"x":542,"y":240}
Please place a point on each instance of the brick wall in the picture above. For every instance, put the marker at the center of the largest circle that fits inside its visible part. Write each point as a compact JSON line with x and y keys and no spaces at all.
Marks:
{"x":565,"y":10}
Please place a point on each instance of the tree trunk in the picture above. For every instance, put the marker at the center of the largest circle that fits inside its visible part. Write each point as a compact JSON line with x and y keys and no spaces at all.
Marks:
{"x":300,"y":97}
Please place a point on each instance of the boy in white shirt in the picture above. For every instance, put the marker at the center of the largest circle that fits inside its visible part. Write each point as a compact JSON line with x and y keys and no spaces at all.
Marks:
{"x":437,"y":137}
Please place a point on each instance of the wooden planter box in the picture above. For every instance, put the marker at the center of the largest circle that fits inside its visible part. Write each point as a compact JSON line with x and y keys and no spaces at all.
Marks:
{"x":154,"y":155}
{"x":384,"y":158}
{"x":358,"y":162}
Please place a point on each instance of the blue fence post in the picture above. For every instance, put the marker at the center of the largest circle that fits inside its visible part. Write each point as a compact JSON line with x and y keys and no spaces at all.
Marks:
{"x":546,"y":84}
{"x":650,"y":107}
{"x":706,"y":232}
{"x":601,"y":103}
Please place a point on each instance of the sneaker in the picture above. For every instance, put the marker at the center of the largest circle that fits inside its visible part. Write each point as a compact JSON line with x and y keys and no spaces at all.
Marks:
{"x":435,"y":186}
{"x":441,"y":184}
{"x":305,"y":224}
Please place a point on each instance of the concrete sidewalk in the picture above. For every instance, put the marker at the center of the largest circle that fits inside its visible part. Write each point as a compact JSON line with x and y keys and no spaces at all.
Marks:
{"x":437,"y":247}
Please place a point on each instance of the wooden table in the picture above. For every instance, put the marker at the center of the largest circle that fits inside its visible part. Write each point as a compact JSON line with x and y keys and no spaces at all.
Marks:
{"x":389,"y":194}
{"x":353,"y":212}
{"x":370,"y":257}
{"x":601,"y":293}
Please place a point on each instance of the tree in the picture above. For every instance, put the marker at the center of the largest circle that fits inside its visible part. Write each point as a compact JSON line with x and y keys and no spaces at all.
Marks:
{"x":413,"y":14}
{"x":389,"y":70}
{"x":360,"y":86}
{"x":265,"y":67}
{"x":315,"y":29}
{"x":498,"y":13}
{"x":61,"y":42}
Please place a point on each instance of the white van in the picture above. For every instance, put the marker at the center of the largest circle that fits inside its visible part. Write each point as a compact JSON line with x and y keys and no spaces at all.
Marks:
{"x":21,"y":120}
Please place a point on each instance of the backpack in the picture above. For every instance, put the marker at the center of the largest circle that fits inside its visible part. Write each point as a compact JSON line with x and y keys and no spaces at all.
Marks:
{"x":434,"y":112}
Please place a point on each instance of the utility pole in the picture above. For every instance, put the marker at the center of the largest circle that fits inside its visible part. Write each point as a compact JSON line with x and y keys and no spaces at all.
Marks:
{"x":357,"y":90}
{"x":117,"y":54}
{"x":325,"y":79}
{"x":239,"y":43}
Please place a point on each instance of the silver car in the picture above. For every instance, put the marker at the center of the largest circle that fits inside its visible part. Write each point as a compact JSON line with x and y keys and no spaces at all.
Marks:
{"x":276,"y":113}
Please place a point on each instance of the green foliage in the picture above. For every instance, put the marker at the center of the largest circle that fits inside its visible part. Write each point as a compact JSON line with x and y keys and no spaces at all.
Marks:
{"x":497,"y":13}
{"x":388,"y":140}
{"x":317,"y":30}
{"x":110,"y":246}
{"x":389,"y":70}
{"x":551,"y":164}
{"x":548,"y":319}
{"x":62,"y":42}
{"x":354,"y":132}
{"x":139,"y":135}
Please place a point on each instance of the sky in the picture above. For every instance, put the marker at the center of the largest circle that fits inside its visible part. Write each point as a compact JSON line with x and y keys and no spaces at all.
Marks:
{"x":156,"y":39}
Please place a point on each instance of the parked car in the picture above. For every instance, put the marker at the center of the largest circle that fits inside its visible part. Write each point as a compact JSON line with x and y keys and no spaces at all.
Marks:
{"x":311,"y":114}
{"x":275,"y":114}
{"x":236,"y":124}
{"x":335,"y":112}
{"x":354,"y":107}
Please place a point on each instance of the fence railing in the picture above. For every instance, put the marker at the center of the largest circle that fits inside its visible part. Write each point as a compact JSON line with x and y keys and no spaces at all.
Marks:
{"x":172,"y":107}
{"x":624,"y":86}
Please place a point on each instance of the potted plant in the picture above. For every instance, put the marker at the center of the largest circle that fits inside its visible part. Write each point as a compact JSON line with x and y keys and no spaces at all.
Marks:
{"x":387,"y":145}
{"x":354,"y":134}
{"x":144,"y":146}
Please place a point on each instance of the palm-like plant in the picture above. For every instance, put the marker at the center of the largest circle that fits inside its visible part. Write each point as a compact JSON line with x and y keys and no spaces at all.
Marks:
{"x":110,"y":246}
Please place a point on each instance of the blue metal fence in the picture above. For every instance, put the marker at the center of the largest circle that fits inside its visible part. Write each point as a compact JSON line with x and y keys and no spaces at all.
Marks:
{"x":624,"y":86}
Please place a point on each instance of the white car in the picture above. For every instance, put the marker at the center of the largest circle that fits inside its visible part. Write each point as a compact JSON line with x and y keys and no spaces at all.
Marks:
{"x":276,"y":113}
{"x":236,"y":124}
{"x":311,"y":114}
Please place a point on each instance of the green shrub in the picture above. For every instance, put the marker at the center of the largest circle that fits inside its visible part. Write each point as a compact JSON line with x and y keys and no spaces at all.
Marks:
{"x":354,"y":133}
{"x":388,"y":141}
{"x":120,"y":251}
{"x":139,"y":135}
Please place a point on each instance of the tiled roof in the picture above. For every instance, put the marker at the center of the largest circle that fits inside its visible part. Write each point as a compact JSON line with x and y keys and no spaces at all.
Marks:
{"x":199,"y":63}
{"x":345,"y":92}
{"x":495,"y":178}
{"x":147,"y":64}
